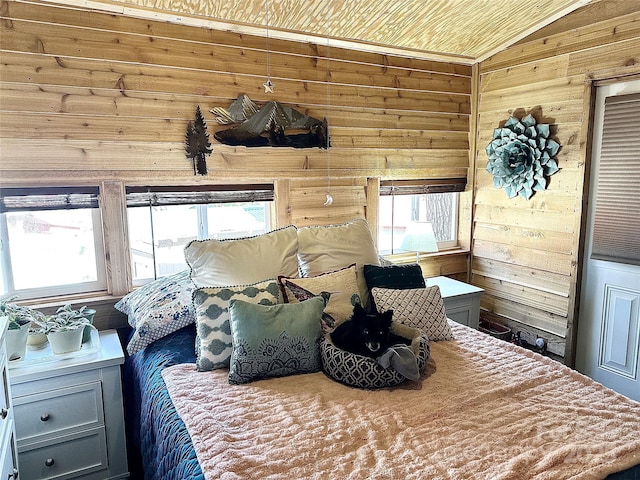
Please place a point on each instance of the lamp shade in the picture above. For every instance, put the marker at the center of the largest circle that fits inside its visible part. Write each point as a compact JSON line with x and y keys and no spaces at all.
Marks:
{"x":419,"y":237}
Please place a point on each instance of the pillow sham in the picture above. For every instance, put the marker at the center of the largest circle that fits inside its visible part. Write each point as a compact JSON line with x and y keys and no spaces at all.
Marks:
{"x":421,"y":308}
{"x":274,"y":341}
{"x":157,"y":309}
{"x":394,"y":276}
{"x":243,"y":261}
{"x":342,"y":285}
{"x":329,"y":248}
{"x":213,"y":330}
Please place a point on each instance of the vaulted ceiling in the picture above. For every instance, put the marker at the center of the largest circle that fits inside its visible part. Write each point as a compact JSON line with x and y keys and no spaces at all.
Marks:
{"x":464,"y":31}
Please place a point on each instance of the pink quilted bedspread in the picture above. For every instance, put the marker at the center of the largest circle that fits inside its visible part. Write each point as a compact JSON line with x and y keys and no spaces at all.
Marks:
{"x":483,"y":409}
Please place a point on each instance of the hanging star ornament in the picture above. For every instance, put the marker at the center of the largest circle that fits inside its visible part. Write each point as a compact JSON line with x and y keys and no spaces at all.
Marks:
{"x":268,"y":86}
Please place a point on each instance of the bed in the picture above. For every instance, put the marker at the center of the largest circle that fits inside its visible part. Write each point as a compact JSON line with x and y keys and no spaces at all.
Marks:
{"x":228,"y":382}
{"x":168,"y":452}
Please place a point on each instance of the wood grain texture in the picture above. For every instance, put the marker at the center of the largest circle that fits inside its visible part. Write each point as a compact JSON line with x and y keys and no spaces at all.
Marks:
{"x":526,"y":254}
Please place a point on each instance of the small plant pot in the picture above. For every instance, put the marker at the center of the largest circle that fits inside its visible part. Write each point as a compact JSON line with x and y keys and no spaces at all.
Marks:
{"x":88,"y":313}
{"x":36,"y":340}
{"x":16,"y":341}
{"x":65,"y":341}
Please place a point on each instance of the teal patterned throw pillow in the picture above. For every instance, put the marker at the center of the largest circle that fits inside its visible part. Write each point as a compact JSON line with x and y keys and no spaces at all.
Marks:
{"x":275,"y":341}
{"x":213,"y":339}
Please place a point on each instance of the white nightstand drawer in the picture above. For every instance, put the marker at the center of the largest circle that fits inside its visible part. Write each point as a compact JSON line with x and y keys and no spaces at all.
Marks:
{"x":77,"y":454}
{"x":56,"y":412}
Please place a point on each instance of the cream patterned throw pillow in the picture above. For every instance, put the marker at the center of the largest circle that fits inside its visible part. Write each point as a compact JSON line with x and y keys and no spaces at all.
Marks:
{"x":416,"y":307}
{"x":213,"y":339}
{"x":342,"y":285}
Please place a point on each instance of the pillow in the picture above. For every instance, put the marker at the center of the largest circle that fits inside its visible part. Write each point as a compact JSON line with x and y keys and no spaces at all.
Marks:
{"x":421,"y":308}
{"x":157,"y":309}
{"x":342,"y":285}
{"x":274,"y":341}
{"x":365,"y":372}
{"x":394,"y":276}
{"x":332,"y":247}
{"x":213,"y":331}
{"x":242,"y":261}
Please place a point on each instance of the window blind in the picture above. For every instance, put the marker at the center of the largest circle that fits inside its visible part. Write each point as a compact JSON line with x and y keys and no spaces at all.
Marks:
{"x":616,"y":231}
{"x":201,"y":194}
{"x":50,"y":198}
{"x":418,"y":187}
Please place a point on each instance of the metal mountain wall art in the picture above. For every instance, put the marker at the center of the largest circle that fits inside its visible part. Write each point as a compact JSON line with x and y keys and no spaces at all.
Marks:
{"x":271,"y":124}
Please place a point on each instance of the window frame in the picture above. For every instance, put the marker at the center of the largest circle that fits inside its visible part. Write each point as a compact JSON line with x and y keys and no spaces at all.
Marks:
{"x":425,"y":187}
{"x":201,"y":196}
{"x":33,"y":199}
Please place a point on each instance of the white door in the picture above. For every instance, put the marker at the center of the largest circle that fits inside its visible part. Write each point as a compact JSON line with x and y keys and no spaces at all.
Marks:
{"x":608,"y":347}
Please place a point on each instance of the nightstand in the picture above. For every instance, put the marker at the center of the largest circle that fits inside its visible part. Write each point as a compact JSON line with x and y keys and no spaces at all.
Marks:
{"x":8,"y":450}
{"x":461,"y":300}
{"x":69,"y":417}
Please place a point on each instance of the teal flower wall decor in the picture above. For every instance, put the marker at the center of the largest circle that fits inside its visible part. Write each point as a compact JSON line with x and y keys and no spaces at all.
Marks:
{"x":521,"y":156}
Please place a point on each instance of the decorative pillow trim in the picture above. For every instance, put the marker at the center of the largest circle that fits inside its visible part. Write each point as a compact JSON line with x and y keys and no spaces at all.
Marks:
{"x":243,"y":260}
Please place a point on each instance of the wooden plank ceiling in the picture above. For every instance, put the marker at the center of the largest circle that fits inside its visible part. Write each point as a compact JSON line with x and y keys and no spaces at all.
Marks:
{"x":461,"y":31}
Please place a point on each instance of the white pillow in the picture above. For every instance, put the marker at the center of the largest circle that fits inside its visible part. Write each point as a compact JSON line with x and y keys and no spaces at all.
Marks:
{"x":421,"y":308}
{"x":243,"y":261}
{"x":333,"y":247}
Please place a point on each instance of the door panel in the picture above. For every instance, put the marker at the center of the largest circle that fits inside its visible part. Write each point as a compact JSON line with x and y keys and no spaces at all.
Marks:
{"x":608,"y":348}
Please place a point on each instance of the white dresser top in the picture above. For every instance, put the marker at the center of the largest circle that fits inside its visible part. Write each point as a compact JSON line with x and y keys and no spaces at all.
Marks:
{"x":103,"y":352}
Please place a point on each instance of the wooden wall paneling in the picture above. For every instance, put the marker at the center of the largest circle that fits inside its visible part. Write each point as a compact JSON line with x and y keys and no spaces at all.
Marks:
{"x":584,"y":38}
{"x":527,"y":253}
{"x":281,"y":190}
{"x":580,"y":239}
{"x":373,"y":202}
{"x":547,"y":282}
{"x":114,"y":220}
{"x":104,"y":99}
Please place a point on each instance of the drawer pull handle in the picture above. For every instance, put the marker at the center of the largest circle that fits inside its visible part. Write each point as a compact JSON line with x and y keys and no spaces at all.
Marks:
{"x":49,"y":462}
{"x":44,"y":417}
{"x":3,"y":413}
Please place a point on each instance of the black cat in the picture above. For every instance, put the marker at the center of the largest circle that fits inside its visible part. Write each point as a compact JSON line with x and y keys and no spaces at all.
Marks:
{"x":366,"y":334}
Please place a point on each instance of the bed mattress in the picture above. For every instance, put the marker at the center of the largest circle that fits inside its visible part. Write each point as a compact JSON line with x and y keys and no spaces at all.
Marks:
{"x":158,"y":431}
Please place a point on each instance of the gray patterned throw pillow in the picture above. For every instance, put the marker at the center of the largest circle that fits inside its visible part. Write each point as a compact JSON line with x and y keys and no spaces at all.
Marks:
{"x":213,"y":339}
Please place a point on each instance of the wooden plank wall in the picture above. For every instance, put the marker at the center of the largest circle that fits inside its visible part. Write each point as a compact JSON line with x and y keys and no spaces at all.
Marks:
{"x":88,"y":98}
{"x":526,"y":254}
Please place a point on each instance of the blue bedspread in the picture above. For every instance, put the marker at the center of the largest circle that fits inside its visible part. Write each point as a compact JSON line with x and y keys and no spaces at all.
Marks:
{"x":155,"y":429}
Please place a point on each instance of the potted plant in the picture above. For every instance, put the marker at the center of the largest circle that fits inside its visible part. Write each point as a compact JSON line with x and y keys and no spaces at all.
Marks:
{"x":64,"y":329}
{"x":19,"y":320}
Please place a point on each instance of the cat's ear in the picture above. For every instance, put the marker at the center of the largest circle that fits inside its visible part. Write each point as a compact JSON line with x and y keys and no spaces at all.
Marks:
{"x":388,"y":316}
{"x":358,"y":310}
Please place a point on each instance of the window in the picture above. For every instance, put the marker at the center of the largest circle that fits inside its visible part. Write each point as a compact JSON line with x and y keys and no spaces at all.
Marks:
{"x":162,"y":220}
{"x":412,"y":211}
{"x":51,"y":241}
